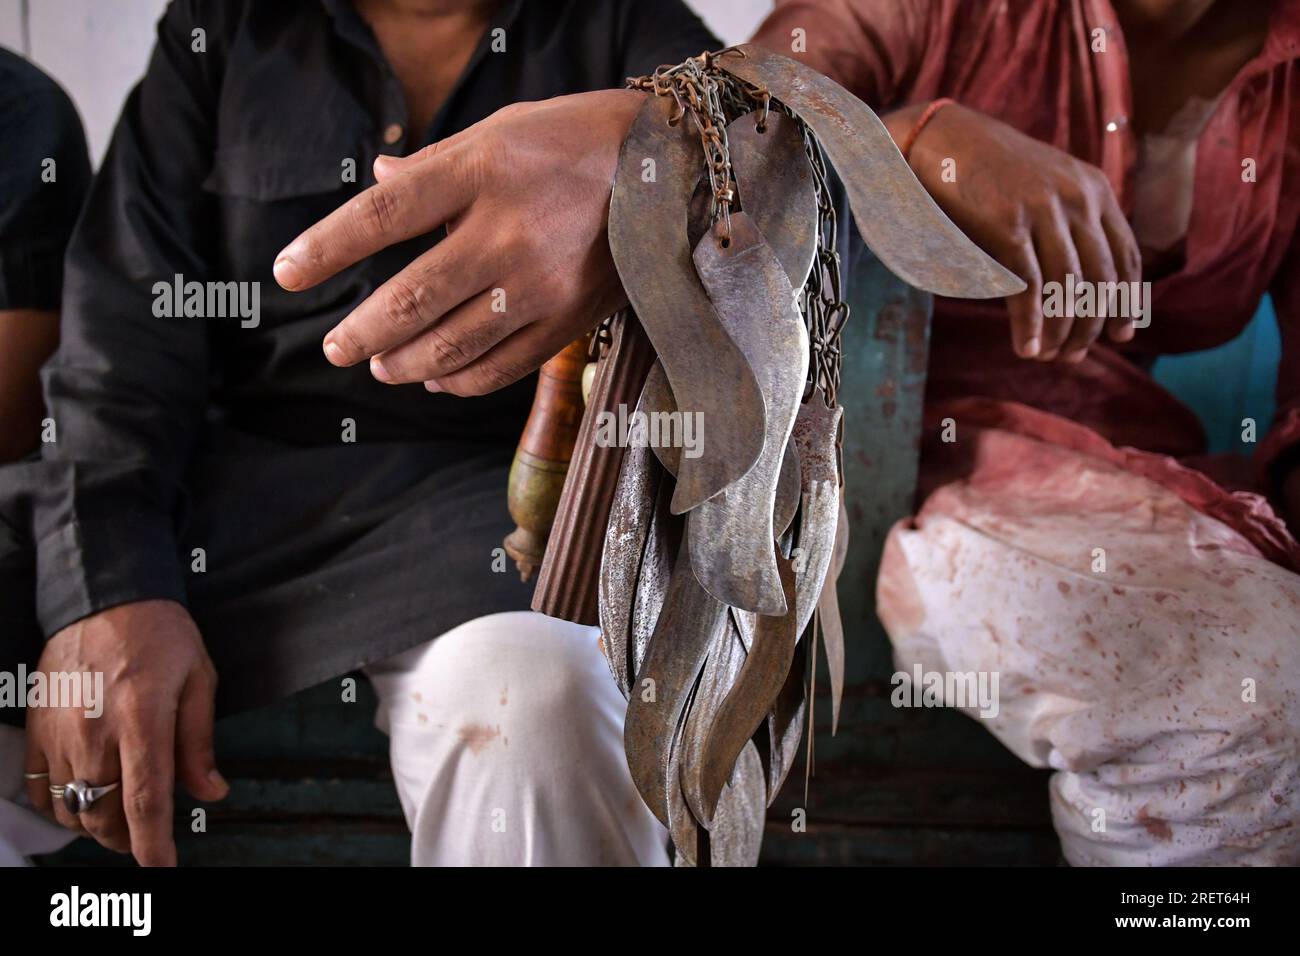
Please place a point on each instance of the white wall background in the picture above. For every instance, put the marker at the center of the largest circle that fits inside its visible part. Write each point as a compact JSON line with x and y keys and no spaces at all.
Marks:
{"x":97,"y":49}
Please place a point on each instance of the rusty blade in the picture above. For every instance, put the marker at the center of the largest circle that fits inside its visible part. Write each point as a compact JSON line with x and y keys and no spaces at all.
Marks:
{"x":896,"y":217}
{"x":757,"y":686}
{"x":724,"y":663}
{"x":687,"y":626}
{"x":785,"y":723}
{"x":828,"y":612}
{"x":631,"y":516}
{"x":775,"y":178}
{"x":737,"y":833}
{"x":683,"y":829}
{"x":661,"y":547}
{"x":841,"y":552}
{"x":647,"y":238}
{"x":787,"y":490}
{"x":815,"y":433}
{"x":786,"y":718}
{"x":744,"y":621}
{"x":657,"y":399}
{"x":732,"y":533}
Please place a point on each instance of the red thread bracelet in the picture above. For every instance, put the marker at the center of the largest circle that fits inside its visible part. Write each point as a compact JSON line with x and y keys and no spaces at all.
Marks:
{"x":921,"y":123}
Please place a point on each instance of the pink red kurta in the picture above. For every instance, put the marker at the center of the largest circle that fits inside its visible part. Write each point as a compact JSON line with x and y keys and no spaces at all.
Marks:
{"x":1031,"y":64}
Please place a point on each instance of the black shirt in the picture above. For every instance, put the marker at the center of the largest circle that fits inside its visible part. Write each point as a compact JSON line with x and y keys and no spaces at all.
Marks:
{"x":222,"y":155}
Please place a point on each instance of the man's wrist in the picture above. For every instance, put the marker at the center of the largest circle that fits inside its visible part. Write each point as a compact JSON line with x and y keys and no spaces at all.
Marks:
{"x":902,"y":121}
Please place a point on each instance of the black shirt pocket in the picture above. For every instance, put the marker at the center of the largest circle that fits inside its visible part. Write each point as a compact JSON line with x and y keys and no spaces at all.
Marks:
{"x":268,"y":194}
{"x":258,"y":173}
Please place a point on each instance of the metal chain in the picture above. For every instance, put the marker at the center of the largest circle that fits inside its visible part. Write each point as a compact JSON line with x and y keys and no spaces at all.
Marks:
{"x":695,"y":85}
{"x":823,"y":305}
{"x":714,"y":98}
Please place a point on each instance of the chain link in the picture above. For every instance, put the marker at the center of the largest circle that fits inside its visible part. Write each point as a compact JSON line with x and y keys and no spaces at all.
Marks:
{"x":713,"y":98}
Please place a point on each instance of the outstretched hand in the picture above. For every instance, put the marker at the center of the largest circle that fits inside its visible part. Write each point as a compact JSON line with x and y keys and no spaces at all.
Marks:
{"x":525,"y":267}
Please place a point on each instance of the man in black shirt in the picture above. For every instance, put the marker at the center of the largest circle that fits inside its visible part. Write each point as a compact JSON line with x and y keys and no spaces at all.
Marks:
{"x":222,"y":502}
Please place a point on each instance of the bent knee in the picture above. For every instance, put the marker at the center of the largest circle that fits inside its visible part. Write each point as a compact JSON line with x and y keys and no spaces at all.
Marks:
{"x":517,"y":673}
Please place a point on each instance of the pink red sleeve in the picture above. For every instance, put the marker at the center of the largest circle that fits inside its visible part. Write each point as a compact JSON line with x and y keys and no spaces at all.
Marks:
{"x":873,"y":48}
{"x":1283,"y":439}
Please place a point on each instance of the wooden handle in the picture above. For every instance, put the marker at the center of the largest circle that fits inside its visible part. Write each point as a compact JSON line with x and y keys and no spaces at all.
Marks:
{"x":568,"y":582}
{"x":542,"y":458}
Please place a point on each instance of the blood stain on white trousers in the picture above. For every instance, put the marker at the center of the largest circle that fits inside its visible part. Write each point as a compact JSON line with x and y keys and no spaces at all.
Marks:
{"x":507,"y":749}
{"x":1147,"y":652}
{"x":506,"y":740}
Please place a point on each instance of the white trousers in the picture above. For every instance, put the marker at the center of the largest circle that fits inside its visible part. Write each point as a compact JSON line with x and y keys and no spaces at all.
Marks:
{"x":506,"y":741}
{"x":1146,"y":652}
{"x":507,"y":749}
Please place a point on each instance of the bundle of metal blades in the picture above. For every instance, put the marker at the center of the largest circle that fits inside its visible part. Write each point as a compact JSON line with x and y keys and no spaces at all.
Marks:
{"x":720,"y":559}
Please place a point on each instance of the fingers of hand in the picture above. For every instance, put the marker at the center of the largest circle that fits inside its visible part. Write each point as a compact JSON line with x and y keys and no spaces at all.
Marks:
{"x":1026,"y":308}
{"x":410,"y":203}
{"x":460,"y":337}
{"x":1128,"y":268}
{"x":196,"y":762}
{"x":61,"y":773}
{"x":387,"y":166}
{"x":38,"y":789}
{"x":511,"y":360}
{"x":104,"y":820}
{"x":1097,"y":266}
{"x":1057,"y":258}
{"x":148,"y":778}
{"x":453,"y":271}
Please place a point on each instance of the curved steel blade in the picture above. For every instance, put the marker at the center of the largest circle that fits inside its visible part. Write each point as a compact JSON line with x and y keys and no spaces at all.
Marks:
{"x":788,"y":481}
{"x":657,"y":398}
{"x":757,"y":685}
{"x":725,"y":660}
{"x":815,"y":433}
{"x":687,"y":626}
{"x":737,"y":834}
{"x":683,"y":829}
{"x":661,"y":547}
{"x":631,"y":516}
{"x":828,"y":612}
{"x":785,"y":722}
{"x":732,"y":533}
{"x":896,"y":217}
{"x":647,"y":238}
{"x":775,"y":179}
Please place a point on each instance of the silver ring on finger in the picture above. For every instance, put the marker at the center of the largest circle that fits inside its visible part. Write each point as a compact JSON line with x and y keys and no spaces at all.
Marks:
{"x":78,"y":796}
{"x":40,"y":775}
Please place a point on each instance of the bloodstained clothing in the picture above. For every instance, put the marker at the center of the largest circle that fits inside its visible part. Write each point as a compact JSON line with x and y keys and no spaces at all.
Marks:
{"x":1032,"y":64}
